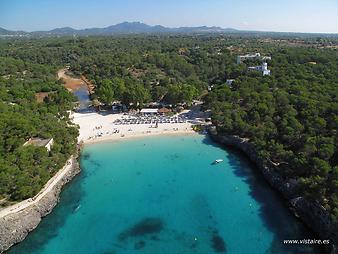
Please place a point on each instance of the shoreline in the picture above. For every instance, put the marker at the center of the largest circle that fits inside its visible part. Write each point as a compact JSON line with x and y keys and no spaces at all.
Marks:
{"x":98,"y":127}
{"x":18,"y":207}
{"x":118,"y":138}
{"x":312,"y":214}
{"x":18,"y":220}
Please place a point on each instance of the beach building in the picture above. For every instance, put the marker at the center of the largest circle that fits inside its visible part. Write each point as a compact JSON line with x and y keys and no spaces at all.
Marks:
{"x":149,"y":111}
{"x":47,"y":143}
{"x":261,"y":68}
{"x":118,"y":107}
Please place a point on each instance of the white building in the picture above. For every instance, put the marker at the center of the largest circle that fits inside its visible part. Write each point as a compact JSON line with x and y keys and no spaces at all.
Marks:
{"x":149,"y":111}
{"x":247,"y":56}
{"x":47,"y":143}
{"x":265,"y":58}
{"x":265,"y":70}
{"x":262,"y":68}
{"x":252,"y":56}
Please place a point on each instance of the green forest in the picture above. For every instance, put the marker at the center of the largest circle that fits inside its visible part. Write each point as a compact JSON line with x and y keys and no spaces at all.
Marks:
{"x":25,"y":169}
{"x":290,"y":116}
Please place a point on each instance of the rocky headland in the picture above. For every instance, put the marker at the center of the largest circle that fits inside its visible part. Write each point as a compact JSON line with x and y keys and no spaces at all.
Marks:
{"x":16,"y":223}
{"x":311,"y":213}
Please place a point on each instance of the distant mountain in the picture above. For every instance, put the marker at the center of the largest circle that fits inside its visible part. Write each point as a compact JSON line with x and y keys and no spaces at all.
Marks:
{"x":4,"y":32}
{"x":63,"y":30}
{"x":122,"y":28}
{"x":141,"y":28}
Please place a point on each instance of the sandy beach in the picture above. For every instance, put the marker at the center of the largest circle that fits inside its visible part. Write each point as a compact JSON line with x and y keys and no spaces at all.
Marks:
{"x":97,"y":127}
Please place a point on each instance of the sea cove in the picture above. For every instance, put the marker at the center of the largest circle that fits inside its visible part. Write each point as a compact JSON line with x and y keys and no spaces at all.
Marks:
{"x":164,"y":195}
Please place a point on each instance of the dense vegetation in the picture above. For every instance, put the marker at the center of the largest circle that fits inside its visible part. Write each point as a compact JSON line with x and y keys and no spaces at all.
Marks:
{"x":138,"y":69}
{"x":25,"y":169}
{"x":290,"y":116}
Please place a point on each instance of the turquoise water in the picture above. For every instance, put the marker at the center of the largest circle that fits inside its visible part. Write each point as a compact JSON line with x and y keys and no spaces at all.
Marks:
{"x":163,"y":195}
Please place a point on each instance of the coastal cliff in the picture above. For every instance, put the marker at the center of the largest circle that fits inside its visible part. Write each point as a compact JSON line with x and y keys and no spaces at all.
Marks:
{"x":311,"y":213}
{"x":15,"y":226}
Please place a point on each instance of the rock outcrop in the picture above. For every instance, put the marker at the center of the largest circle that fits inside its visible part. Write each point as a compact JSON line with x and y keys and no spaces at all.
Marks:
{"x":311,"y":213}
{"x":15,"y":227}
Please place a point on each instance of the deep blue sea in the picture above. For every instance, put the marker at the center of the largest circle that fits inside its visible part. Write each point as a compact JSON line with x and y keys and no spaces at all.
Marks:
{"x":163,"y":195}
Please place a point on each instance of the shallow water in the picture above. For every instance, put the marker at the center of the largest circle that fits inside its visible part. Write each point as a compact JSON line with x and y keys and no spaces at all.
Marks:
{"x":82,"y":95}
{"x":163,"y":195}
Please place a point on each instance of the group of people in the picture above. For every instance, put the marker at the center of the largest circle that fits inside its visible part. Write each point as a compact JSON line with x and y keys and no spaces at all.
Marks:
{"x":148,"y":121}
{"x":101,"y":134}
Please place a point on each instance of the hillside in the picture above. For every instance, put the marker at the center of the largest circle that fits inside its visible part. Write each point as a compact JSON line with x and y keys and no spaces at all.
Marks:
{"x":126,"y":28}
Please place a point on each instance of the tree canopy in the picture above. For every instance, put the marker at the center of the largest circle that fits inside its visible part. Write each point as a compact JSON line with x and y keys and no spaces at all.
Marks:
{"x":290,"y":116}
{"x":25,"y":169}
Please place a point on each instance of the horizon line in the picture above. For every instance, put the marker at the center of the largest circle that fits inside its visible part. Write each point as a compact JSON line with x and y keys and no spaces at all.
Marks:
{"x":170,"y":27}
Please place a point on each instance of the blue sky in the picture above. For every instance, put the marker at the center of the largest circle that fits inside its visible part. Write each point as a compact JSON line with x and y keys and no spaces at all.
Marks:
{"x":265,"y":15}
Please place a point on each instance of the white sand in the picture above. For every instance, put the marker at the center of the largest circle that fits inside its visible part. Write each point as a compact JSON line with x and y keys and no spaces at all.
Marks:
{"x":89,"y":122}
{"x":88,"y":134}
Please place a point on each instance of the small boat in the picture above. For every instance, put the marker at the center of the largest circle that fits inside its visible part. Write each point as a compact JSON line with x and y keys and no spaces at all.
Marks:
{"x":217,"y":161}
{"x":76,"y":209}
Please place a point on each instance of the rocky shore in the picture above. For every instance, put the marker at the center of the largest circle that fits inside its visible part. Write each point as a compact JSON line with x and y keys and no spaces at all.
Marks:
{"x":311,"y":213}
{"x":15,"y":226}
